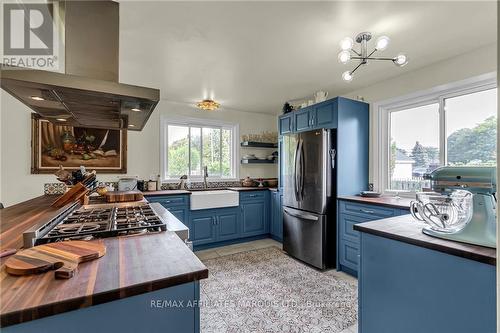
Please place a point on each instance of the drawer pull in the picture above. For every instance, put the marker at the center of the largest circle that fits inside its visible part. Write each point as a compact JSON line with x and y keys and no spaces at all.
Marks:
{"x":253,"y":195}
{"x":367,"y":211}
{"x":168,"y":201}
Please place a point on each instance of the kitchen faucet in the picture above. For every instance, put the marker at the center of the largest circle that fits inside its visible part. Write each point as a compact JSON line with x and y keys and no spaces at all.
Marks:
{"x":205,"y":175}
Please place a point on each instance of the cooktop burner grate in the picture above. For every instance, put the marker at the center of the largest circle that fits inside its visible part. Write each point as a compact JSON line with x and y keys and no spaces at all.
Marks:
{"x":105,"y":222}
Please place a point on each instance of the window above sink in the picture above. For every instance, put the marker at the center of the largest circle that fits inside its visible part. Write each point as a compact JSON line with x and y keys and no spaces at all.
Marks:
{"x":188,"y":144}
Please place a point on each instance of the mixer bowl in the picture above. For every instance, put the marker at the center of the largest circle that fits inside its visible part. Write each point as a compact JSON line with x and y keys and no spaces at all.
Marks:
{"x":443,"y":213}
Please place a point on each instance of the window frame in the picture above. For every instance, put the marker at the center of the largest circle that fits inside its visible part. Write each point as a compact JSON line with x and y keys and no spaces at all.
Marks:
{"x":165,"y":121}
{"x":382,"y":120}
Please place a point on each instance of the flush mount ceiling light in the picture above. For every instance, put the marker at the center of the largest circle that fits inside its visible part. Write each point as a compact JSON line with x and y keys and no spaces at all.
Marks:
{"x":136,"y":109}
{"x":208,"y":105}
{"x":348,"y":52}
{"x":37,"y":98}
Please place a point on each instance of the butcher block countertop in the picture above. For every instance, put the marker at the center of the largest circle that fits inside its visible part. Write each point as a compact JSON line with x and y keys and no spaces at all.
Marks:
{"x":406,"y":229}
{"x":392,"y":202}
{"x":253,"y":188}
{"x":165,"y":192}
{"x":132,"y":265}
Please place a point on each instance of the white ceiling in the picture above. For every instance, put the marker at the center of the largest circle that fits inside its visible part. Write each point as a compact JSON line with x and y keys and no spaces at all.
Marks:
{"x":254,"y":56}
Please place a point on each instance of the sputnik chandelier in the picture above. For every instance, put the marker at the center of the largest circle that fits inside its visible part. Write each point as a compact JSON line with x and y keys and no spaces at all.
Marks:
{"x":348,"y":52}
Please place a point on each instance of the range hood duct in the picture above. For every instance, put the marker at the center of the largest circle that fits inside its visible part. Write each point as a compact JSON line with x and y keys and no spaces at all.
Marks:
{"x":88,"y":93}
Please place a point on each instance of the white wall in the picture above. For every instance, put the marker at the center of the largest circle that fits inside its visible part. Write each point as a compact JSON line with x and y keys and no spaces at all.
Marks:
{"x":477,"y":62}
{"x":17,"y":184}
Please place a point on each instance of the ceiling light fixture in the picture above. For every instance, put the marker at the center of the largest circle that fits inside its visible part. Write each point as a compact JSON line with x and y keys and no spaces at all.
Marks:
{"x":208,"y":105}
{"x":37,"y":98}
{"x":136,"y":110}
{"x":62,"y":119}
{"x":131,"y":125}
{"x":363,"y":56}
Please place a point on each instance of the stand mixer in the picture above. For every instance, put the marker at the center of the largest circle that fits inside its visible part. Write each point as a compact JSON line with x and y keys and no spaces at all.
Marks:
{"x":479,"y":217}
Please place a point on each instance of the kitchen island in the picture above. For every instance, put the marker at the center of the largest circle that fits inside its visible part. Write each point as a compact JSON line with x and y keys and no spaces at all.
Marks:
{"x":411,"y":282}
{"x":144,"y":282}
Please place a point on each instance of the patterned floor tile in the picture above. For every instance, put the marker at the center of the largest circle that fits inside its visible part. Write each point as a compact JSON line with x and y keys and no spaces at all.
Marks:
{"x":265,"y":290}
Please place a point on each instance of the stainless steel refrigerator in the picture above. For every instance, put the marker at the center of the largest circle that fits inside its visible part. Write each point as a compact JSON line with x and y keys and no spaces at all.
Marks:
{"x":308,"y":174}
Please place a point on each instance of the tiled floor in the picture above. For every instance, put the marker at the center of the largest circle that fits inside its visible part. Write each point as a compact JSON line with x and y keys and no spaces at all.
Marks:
{"x":260,"y":244}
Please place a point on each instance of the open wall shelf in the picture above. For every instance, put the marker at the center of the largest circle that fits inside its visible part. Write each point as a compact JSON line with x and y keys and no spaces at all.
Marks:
{"x":251,"y":144}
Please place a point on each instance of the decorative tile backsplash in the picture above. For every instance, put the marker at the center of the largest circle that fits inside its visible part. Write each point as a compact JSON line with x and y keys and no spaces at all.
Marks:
{"x":60,"y":188}
{"x":54,"y":188}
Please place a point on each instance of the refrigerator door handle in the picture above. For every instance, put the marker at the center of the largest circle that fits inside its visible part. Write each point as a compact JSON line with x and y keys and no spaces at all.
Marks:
{"x":302,"y":169}
{"x":295,"y":173}
{"x":302,"y":216}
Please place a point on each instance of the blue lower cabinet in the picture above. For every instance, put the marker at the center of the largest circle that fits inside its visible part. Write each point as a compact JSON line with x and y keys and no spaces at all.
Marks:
{"x":412,"y":289}
{"x":178,"y":205}
{"x":203,"y":227}
{"x":228,"y":224}
{"x":351,"y":213}
{"x":253,"y":218}
{"x":276,"y":228}
{"x":214,"y":225}
{"x":181,"y":213}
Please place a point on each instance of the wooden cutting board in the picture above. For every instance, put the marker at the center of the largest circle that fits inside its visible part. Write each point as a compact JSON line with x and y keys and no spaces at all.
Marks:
{"x":63,"y":257}
{"x":124,"y":196}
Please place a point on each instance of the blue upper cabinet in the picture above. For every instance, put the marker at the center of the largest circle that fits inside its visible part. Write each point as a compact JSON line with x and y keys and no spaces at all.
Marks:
{"x":325,"y":115}
{"x":351,"y":119}
{"x":303,"y":119}
{"x":320,"y":115}
{"x":286,"y":123}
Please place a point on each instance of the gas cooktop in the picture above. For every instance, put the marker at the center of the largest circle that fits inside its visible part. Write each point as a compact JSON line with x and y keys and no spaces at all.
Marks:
{"x":97,"y":222}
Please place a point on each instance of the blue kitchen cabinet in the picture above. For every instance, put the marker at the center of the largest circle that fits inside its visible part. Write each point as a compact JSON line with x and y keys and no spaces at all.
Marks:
{"x":286,"y":123}
{"x":321,"y":115}
{"x":413,"y":289}
{"x":203,"y":227}
{"x":281,"y":165}
{"x":276,"y":229}
{"x":255,"y":213}
{"x":253,"y":218}
{"x":178,"y":205}
{"x":351,"y":119}
{"x":304,"y":119}
{"x":214,"y":225}
{"x":228,"y":223}
{"x":325,"y":115}
{"x":127,"y":315}
{"x":351,"y":213}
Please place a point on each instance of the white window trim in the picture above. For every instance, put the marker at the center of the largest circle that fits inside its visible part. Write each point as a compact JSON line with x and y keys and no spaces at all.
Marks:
{"x":381,"y":116}
{"x":201,"y":122}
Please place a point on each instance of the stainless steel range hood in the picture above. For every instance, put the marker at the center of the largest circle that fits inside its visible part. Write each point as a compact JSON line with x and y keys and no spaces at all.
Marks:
{"x":88,"y":93}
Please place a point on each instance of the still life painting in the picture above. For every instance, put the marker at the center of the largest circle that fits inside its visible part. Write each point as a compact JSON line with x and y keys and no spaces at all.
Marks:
{"x":56,"y":145}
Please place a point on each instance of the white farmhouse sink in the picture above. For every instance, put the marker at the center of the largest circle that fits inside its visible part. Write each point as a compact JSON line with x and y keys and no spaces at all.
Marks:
{"x":214,"y":199}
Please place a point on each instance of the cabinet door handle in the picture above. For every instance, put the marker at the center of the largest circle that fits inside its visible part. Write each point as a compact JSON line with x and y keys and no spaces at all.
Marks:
{"x":253,"y":195}
{"x":168,"y":201}
{"x":367,"y":211}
